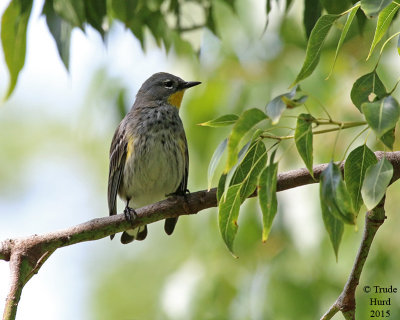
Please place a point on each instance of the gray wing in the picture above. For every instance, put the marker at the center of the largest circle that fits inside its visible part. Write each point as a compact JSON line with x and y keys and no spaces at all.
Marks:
{"x":117,"y":164}
{"x":182,"y":189}
{"x":170,"y":223}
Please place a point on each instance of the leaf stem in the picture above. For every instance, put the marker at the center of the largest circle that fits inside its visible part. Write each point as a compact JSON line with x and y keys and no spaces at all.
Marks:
{"x":358,"y":4}
{"x":390,"y":38}
{"x":383,"y":46}
{"x":394,"y":88}
{"x":191,"y":28}
{"x":336,"y":140}
{"x":340,"y":126}
{"x":352,"y":141}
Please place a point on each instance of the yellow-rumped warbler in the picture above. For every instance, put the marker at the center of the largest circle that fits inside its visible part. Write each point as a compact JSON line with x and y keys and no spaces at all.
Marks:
{"x":149,"y":157}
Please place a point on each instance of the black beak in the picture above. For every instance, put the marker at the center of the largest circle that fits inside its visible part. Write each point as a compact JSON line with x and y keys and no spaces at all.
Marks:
{"x":189,"y":84}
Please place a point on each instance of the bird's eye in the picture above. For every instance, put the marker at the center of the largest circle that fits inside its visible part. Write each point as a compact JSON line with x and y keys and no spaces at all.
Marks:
{"x":168,"y":84}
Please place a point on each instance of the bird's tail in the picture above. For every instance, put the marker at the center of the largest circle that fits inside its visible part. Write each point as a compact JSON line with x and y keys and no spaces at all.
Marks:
{"x":139,"y":233}
{"x":169,"y":225}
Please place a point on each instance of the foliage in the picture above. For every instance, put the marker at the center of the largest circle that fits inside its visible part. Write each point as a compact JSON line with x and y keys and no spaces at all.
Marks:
{"x":63,"y":15}
{"x":377,"y":106}
{"x":240,"y":163}
{"x":379,"y":111}
{"x":357,"y":163}
{"x":377,"y":178}
{"x":13,"y":38}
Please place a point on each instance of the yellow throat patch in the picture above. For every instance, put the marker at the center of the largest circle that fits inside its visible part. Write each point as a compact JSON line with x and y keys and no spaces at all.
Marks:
{"x":175,"y":99}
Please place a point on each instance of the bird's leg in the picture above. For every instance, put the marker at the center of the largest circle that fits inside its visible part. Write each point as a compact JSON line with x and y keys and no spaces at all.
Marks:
{"x":129,"y":213}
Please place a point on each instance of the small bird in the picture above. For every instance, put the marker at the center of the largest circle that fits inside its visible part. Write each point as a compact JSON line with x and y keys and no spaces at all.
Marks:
{"x":149,"y":157}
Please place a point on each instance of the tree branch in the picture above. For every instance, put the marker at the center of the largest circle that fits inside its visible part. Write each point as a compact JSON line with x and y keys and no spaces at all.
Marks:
{"x":5,"y":250}
{"x":14,"y":295}
{"x":346,"y":302}
{"x":26,"y":255}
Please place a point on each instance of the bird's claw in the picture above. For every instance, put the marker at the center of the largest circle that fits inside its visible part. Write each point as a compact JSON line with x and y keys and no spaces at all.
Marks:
{"x":130,"y":214}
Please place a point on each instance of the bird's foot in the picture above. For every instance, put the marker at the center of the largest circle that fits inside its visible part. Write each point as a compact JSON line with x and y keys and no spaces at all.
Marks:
{"x":130,"y":214}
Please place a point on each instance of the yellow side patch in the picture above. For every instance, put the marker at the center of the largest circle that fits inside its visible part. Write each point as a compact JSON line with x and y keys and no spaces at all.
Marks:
{"x":175,"y":99}
{"x":182,"y":147}
{"x":129,"y":148}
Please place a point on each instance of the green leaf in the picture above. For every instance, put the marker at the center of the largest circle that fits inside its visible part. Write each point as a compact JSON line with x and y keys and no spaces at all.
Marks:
{"x":355,"y":167}
{"x":210,"y":22}
{"x":215,"y":160}
{"x":312,"y":11}
{"x":241,"y":155}
{"x":361,"y":21}
{"x":136,"y":28}
{"x":174,"y":6}
{"x":247,"y":120}
{"x":377,"y":179}
{"x":72,"y":11}
{"x":371,"y":8}
{"x":398,"y":45}
{"x":288,"y":4}
{"x":267,"y":195}
{"x":156,"y":23}
{"x":221,"y":187}
{"x":268,"y":8}
{"x":276,"y":106}
{"x":60,"y":30}
{"x":334,"y":195}
{"x":388,"y":138}
{"x":230,"y":4}
{"x":381,"y":115}
{"x":125,"y":10}
{"x":366,"y":85}
{"x":222,"y":121}
{"x":346,"y":27}
{"x":228,"y":215}
{"x":293,"y":103}
{"x":249,"y":169}
{"x":303,"y":137}
{"x":14,"y":24}
{"x":336,"y":6}
{"x":314,"y":45}
{"x":334,"y":226}
{"x":384,"y":20}
{"x":95,"y":11}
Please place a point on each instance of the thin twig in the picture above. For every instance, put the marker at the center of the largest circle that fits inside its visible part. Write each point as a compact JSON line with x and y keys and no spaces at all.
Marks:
{"x":343,"y":125}
{"x":331,"y":312}
{"x":191,"y":28}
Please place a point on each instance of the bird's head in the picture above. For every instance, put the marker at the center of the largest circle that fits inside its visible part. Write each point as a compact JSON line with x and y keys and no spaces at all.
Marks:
{"x":165,"y":87}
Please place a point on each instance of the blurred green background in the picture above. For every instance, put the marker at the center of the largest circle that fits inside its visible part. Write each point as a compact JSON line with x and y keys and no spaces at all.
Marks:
{"x":54,"y":139}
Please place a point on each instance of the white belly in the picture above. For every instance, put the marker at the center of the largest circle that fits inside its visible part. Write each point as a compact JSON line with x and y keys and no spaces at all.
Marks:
{"x":150,"y":177}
